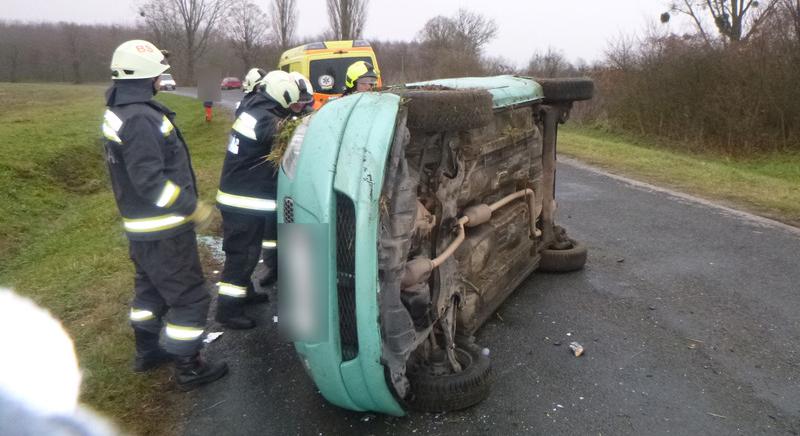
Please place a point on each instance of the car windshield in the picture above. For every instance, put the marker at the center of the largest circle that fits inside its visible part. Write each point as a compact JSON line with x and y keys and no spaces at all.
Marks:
{"x":328,"y":75}
{"x":166,"y":77}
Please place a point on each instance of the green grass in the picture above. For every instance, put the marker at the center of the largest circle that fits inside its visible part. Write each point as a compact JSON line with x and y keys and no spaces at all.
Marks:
{"x":766,"y":184}
{"x":61,"y":241}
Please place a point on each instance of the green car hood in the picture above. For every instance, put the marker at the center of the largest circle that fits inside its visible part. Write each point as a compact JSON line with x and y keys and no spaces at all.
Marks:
{"x":344,"y":153}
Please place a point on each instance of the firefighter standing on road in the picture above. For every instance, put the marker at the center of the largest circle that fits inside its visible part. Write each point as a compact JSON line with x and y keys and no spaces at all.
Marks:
{"x":269,"y":252}
{"x":247,"y":192}
{"x":155,"y":190}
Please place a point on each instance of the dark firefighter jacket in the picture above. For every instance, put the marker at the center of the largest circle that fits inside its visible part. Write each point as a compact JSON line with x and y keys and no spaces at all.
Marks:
{"x":149,"y":164}
{"x":248,"y":183}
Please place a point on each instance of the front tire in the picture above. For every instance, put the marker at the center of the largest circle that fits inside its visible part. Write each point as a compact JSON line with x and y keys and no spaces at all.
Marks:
{"x":444,"y":393}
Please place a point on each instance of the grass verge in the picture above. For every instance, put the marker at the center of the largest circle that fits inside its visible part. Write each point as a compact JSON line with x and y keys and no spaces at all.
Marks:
{"x":61,"y":241}
{"x":765,"y":184}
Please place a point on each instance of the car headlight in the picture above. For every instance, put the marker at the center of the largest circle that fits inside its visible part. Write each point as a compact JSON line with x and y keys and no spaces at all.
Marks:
{"x":292,"y":154}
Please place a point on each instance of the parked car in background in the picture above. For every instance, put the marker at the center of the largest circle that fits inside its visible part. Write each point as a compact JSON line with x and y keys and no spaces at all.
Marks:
{"x":166,"y":82}
{"x":231,"y":83}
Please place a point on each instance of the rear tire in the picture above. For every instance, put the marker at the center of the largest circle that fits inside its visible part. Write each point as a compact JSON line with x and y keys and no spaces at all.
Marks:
{"x":447,"y":110}
{"x":571,"y":258}
{"x":569,"y":89}
{"x":444,"y":393}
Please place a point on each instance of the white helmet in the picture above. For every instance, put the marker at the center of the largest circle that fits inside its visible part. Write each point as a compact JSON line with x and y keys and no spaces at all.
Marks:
{"x":137,"y":59}
{"x":253,"y":78}
{"x":306,"y":90}
{"x":281,"y":87}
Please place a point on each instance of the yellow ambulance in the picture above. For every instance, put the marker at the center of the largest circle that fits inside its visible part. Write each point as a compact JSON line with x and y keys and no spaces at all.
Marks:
{"x":325,"y":64}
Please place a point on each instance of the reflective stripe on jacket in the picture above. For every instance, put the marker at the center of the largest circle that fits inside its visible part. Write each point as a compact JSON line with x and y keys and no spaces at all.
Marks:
{"x":149,"y":164}
{"x":248,"y":182}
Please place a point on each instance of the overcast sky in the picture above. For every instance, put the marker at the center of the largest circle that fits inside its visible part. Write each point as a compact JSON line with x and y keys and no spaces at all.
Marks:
{"x":580,"y":28}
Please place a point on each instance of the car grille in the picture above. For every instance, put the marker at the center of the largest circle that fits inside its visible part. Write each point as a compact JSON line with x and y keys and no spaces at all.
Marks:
{"x":345,"y":275}
{"x":288,"y":210}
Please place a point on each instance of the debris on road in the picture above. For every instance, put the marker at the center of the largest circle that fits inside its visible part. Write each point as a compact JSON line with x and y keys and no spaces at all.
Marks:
{"x":717,"y":416}
{"x":694,"y":343}
{"x":211,"y":337}
{"x":620,"y":260}
{"x":577,"y":349}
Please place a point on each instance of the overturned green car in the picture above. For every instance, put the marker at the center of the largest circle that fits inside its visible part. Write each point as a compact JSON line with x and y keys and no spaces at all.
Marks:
{"x":407,"y":218}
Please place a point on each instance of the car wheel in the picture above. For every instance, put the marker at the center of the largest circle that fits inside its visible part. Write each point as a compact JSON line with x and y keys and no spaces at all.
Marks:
{"x":569,"y":89}
{"x":443,"y":393}
{"x":447,"y":110}
{"x":562,"y":257}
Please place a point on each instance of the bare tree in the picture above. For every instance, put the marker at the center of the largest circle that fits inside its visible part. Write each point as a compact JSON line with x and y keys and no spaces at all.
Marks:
{"x":347,"y":18}
{"x":466,"y":31}
{"x":551,"y":63}
{"x":246,"y":30}
{"x":73,"y":44}
{"x":735,"y":20}
{"x":284,"y":21}
{"x":453,"y":45}
{"x":191,"y":21}
{"x":791,"y":8}
{"x":11,"y":48}
{"x":622,"y":52}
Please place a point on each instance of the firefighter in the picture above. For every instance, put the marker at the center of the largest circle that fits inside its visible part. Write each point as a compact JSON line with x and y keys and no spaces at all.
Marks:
{"x":360,"y":77}
{"x":306,"y":102}
{"x":252,"y":77}
{"x":247,"y":192}
{"x":155,"y":190}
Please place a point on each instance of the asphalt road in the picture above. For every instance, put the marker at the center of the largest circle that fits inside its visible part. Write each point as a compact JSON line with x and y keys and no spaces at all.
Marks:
{"x":229,"y":97}
{"x":688,"y":314}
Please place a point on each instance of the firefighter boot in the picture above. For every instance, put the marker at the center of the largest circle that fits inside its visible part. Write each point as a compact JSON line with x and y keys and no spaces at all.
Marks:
{"x":230,"y":313}
{"x":193,"y":371}
{"x":149,"y":355}
{"x":254,"y":297}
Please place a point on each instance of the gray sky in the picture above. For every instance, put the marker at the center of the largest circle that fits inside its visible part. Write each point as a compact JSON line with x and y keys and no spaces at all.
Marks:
{"x":580,"y":28}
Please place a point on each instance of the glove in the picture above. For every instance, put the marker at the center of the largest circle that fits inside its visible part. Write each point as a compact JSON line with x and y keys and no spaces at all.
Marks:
{"x":202,"y":216}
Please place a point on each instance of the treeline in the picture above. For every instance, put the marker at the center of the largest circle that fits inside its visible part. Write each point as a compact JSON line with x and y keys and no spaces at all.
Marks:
{"x":67,"y":52}
{"x":732,"y":87}
{"x":59,"y":52}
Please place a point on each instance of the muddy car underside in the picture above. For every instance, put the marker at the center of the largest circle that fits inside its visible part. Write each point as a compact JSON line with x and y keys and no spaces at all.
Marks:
{"x":465,"y":214}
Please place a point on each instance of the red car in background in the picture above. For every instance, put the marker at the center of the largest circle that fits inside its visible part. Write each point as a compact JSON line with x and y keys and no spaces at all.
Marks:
{"x":231,"y":83}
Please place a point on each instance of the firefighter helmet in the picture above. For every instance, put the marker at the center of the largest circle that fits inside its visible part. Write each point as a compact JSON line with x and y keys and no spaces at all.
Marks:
{"x":358,"y":70}
{"x":306,"y":90}
{"x":281,"y":87}
{"x":137,"y":59}
{"x":253,"y":79}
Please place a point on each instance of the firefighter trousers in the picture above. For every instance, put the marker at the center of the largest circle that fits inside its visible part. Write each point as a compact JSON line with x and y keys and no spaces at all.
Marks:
{"x":244,"y":236}
{"x":169,"y":286}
